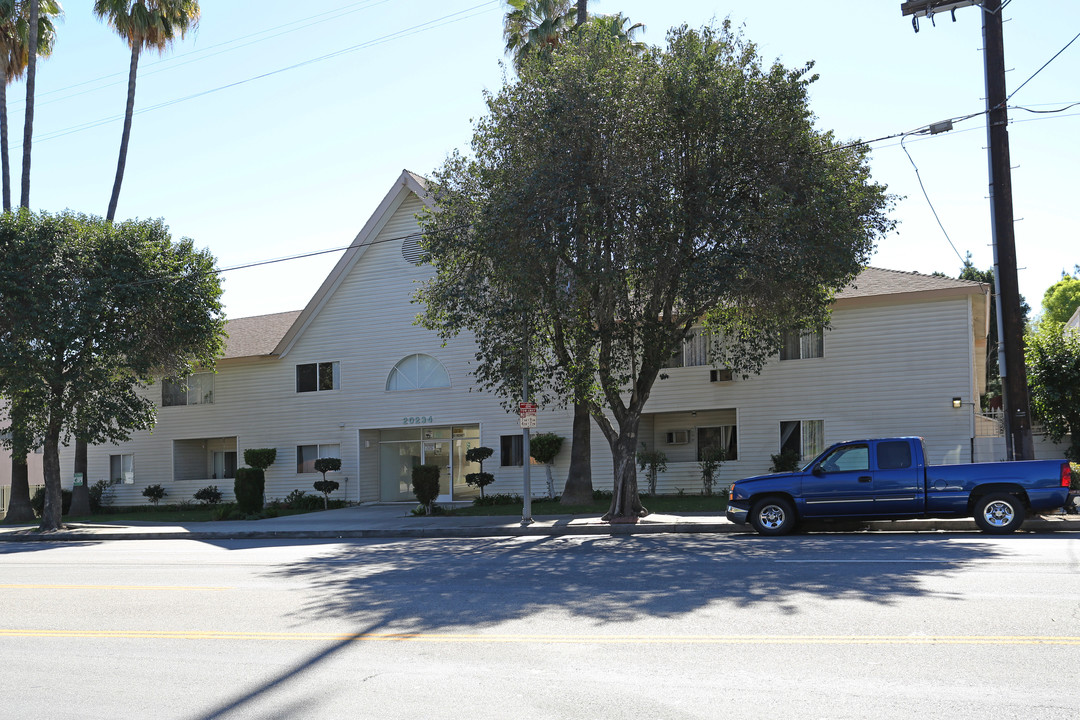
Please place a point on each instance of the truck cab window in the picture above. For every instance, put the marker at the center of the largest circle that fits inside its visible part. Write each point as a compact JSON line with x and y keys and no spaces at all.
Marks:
{"x":849,"y":458}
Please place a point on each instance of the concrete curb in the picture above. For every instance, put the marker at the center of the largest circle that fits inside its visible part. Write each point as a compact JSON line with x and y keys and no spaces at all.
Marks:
{"x":540,"y":529}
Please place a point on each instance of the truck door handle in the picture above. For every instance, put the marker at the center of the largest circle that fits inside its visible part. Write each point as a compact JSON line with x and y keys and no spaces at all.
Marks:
{"x":865,"y":478}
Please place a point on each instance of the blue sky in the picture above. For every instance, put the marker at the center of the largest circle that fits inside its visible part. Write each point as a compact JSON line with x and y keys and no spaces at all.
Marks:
{"x":297,"y":160}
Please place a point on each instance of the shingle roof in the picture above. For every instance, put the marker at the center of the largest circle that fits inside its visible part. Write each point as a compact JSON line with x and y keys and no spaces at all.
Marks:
{"x":257,"y":335}
{"x":878,"y":281}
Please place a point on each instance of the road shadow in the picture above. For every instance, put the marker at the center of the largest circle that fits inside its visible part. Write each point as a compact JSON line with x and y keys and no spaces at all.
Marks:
{"x":438,"y":585}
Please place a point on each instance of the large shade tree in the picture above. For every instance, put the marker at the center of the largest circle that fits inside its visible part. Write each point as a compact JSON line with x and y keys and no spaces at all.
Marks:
{"x":1062,"y":298}
{"x":90,"y":314}
{"x":614,"y":201}
{"x":14,"y":59}
{"x":1052,"y":355}
{"x":145,"y":25}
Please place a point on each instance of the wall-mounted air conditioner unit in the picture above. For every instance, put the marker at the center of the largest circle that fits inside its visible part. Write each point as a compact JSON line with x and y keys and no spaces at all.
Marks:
{"x":721,"y":375}
{"x":678,"y":437}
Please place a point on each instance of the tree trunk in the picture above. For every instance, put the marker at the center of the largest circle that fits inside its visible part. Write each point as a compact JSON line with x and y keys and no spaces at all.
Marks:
{"x":28,"y":123}
{"x":5,"y":160}
{"x":52,"y":516}
{"x":19,"y":510}
{"x":625,"y":504}
{"x":579,"y":488}
{"x":122,"y":161}
{"x":80,"y":494}
{"x":582,"y":11}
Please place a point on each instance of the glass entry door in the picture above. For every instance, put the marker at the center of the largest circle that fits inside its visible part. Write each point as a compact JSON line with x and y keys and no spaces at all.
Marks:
{"x":400,"y":450}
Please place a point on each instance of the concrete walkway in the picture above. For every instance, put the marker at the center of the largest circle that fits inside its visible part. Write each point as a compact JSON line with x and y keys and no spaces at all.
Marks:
{"x":394,"y":521}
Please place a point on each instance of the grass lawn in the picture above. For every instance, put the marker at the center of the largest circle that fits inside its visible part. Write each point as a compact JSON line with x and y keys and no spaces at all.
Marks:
{"x":658,"y":504}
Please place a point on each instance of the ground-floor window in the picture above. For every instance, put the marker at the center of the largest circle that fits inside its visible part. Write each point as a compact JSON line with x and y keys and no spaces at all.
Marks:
{"x":804,"y":437}
{"x":122,"y":469}
{"x":722,"y":437}
{"x":307,"y":454}
{"x":402,"y":449}
{"x":511,"y":450}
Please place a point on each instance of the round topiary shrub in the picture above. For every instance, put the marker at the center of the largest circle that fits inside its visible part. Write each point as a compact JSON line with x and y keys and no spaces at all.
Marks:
{"x":425,"y":483}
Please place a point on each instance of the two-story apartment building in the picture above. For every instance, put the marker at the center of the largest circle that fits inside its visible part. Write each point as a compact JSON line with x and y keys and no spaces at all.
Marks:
{"x":353,"y":376}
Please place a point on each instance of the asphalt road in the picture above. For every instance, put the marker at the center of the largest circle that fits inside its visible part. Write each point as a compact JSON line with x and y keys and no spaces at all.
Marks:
{"x":647,"y":626}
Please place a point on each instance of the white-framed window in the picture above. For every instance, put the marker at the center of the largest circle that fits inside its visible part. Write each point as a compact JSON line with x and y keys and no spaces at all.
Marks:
{"x":511,"y":450}
{"x":307,"y":454}
{"x":805,"y":437}
{"x":314,"y":377}
{"x":725,"y":437}
{"x":122,"y":469}
{"x":418,"y":372}
{"x":696,"y":350}
{"x":197,"y":389}
{"x":803,"y":344}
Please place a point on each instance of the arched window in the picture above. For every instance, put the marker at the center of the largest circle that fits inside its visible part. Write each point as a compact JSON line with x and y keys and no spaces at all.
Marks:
{"x":418,"y":372}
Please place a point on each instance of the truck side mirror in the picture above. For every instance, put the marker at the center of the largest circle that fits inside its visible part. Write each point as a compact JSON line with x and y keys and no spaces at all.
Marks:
{"x":818,"y":471}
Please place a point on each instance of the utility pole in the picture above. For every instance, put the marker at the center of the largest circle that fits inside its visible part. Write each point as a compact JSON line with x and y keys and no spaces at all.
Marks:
{"x":1014,"y":389}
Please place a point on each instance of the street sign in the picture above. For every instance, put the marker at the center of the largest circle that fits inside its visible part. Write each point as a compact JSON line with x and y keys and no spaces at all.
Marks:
{"x":527,"y":414}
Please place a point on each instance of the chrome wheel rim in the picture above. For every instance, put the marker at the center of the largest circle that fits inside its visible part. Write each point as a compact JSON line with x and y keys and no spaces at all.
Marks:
{"x":772,"y":516}
{"x":999,"y":513}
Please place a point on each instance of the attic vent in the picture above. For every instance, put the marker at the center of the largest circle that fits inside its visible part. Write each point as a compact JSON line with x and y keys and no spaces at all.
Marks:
{"x":411,"y":250}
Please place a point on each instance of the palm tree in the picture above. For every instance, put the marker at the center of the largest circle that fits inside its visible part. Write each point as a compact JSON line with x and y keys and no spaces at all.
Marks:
{"x":14,"y":58}
{"x":616,"y":26}
{"x":535,"y":26}
{"x":145,"y":24}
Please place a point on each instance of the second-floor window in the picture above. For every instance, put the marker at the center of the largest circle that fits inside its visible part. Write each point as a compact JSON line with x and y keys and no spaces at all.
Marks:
{"x":197,"y":389}
{"x":803,"y":344}
{"x":312,"y":377}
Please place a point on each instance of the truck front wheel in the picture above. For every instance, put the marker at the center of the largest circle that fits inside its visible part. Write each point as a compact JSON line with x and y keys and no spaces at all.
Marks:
{"x":772,"y":516}
{"x":999,"y":513}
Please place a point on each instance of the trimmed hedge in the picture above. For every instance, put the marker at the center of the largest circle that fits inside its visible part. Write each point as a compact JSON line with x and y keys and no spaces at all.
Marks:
{"x":249,"y":486}
{"x":425,"y":483}
{"x":260,"y":458}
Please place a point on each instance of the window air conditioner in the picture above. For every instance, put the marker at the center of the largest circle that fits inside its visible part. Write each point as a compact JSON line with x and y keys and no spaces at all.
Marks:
{"x":678,"y":437}
{"x":721,"y":375}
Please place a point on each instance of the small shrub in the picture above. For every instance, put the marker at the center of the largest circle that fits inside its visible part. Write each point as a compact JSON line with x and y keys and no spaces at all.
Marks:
{"x":786,"y":461}
{"x":326,"y":487}
{"x":711,"y":458}
{"x":260,"y":458}
{"x":544,"y":448}
{"x":38,"y":502}
{"x":653,"y":462}
{"x":294,"y":497}
{"x":154,"y":493}
{"x":226,"y":511}
{"x":209,"y":495}
{"x":100,"y":495}
{"x":423,"y":510}
{"x":249,"y":486}
{"x":599,"y":495}
{"x":425,"y":482}
{"x":479,"y":479}
{"x":497,"y":499}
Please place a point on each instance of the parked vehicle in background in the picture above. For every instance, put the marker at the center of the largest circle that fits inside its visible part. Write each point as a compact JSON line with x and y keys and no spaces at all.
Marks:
{"x":888,"y":479}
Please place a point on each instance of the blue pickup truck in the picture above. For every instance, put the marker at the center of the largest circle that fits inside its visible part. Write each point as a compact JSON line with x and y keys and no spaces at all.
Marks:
{"x":888,"y":479}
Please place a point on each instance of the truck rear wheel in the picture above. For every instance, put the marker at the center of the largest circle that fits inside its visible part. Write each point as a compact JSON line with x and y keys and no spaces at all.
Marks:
{"x":999,"y":513}
{"x":772,"y":516}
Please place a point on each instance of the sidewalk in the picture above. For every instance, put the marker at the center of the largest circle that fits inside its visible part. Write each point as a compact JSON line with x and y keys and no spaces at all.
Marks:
{"x":394,"y":521}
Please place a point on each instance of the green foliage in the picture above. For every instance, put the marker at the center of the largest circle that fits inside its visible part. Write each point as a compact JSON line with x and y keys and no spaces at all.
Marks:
{"x":498,"y":499}
{"x":1053,"y":365}
{"x":1062,"y":298}
{"x":326,"y":487}
{"x":208,"y":495}
{"x":479,"y":479}
{"x":653,"y":462}
{"x":260,"y":458}
{"x":545,"y":447}
{"x":328,"y":464}
{"x":711,"y":459}
{"x":730,"y":204}
{"x":226,"y":511}
{"x":154,"y":493}
{"x":248,"y":486}
{"x":92,"y":313}
{"x":786,"y":461}
{"x":425,"y":483}
{"x":100,"y":495}
{"x":38,"y":501}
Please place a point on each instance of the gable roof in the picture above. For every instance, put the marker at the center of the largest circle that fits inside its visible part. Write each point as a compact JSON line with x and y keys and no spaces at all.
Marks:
{"x":408,"y":182}
{"x":257,"y":335}
{"x":896,"y":284}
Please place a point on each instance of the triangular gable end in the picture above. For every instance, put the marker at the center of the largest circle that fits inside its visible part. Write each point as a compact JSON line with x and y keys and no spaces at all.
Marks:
{"x":406,"y":183}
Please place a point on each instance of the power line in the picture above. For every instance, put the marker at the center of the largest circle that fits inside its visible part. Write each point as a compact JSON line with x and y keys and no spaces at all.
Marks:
{"x":406,"y":32}
{"x":1043,"y":67}
{"x":928,"y":202}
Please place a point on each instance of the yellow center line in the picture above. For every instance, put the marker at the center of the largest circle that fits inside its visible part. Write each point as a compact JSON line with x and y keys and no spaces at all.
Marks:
{"x":566,"y":639}
{"x":108,"y":587}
